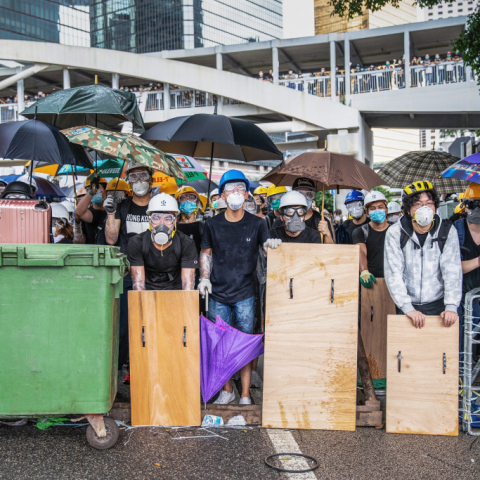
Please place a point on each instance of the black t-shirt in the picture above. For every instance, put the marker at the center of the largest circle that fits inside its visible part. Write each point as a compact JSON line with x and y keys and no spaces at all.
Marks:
{"x":421,"y":238}
{"x":235,"y":253}
{"x":469,"y":251}
{"x":163,"y":272}
{"x":136,"y":222}
{"x":191,"y":230}
{"x":93,"y":228}
{"x":375,"y":248}
{"x":309,"y":235}
{"x":350,"y":226}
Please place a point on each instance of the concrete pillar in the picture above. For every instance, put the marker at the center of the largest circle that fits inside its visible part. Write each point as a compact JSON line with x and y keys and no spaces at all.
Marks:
{"x":115,"y":80}
{"x":406,"y":66}
{"x":347,"y":70}
{"x":20,"y":98}
{"x":166,"y":100}
{"x":275,"y":65}
{"x":66,"y":78}
{"x":219,"y":59}
{"x":333,"y":64}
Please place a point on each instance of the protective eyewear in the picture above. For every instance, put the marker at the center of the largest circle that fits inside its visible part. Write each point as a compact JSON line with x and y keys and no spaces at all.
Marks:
{"x":187,"y":197}
{"x":290,"y":211}
{"x":138,"y":177}
{"x":272,"y":198}
{"x":17,"y":196}
{"x":472,"y":204}
{"x":250,"y":204}
{"x":310,"y":194}
{"x":354,"y":205}
{"x":165,"y":218}
{"x":427,"y":204}
{"x":230,"y":187}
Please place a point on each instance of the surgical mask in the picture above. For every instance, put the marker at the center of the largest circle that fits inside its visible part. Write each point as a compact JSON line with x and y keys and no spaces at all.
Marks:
{"x":140,"y":188}
{"x":377,"y":216}
{"x":337,"y":218}
{"x":296,"y":224}
{"x":97,"y":199}
{"x":235,"y":200}
{"x":394,"y":219}
{"x":162,"y":234}
{"x":276,"y":204}
{"x":215,"y":204}
{"x":423,"y":216}
{"x":188,"y":207}
{"x":473,"y":216}
{"x":356,"y":211}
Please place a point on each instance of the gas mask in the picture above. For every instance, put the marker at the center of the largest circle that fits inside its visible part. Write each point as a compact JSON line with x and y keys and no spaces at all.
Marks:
{"x":276,"y":204}
{"x":162,"y":234}
{"x":473,"y":216}
{"x":355,"y":210}
{"x":235,"y":200}
{"x":141,"y":188}
{"x":295,"y":224}
{"x":423,"y":216}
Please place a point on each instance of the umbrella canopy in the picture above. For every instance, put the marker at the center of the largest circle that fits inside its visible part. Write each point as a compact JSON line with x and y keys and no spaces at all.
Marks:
{"x":327,"y":169}
{"x":69,"y":191}
{"x":467,"y":169}
{"x":45,"y":188}
{"x":127,"y":147}
{"x":223,"y":351}
{"x":422,"y":165}
{"x":201,"y":186}
{"x":190,"y":167}
{"x":96,"y":105}
{"x":213,"y":136}
{"x":55,"y":170}
{"x":39,"y":142}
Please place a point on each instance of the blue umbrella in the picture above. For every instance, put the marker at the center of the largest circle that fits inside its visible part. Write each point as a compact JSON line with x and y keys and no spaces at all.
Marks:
{"x":45,"y":188}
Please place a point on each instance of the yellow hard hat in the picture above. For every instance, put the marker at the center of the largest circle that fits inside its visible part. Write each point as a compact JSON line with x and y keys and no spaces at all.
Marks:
{"x":472,"y":191}
{"x":88,"y":181}
{"x":459,"y":208}
{"x":260,"y":190}
{"x":122,"y":185}
{"x":203,"y":199}
{"x":183,"y":190}
{"x":460,"y":197}
{"x":274,"y":190}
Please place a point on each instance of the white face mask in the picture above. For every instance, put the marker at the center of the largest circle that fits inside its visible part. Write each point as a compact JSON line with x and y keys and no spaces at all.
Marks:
{"x":235,"y":200}
{"x":140,"y":188}
{"x":394,"y":219}
{"x":337,"y":218}
{"x":355,"y":211}
{"x":423,"y":216}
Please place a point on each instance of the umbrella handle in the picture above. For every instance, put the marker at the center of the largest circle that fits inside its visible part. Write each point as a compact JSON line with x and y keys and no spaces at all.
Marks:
{"x":206,"y":303}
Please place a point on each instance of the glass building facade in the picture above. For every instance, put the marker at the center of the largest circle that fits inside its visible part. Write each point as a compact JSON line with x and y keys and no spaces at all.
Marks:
{"x":58,"y":21}
{"x":143,"y":26}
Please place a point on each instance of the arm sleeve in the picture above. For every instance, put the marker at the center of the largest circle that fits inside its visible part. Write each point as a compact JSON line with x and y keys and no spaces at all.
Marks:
{"x":207,"y":236}
{"x":451,"y":268}
{"x":394,"y":266}
{"x":134,"y":252}
{"x":263,"y":234}
{"x":189,"y":254}
{"x":358,"y":236}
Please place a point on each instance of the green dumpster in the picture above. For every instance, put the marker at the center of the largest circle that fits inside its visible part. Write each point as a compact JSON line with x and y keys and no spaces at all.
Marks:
{"x":59,"y":315}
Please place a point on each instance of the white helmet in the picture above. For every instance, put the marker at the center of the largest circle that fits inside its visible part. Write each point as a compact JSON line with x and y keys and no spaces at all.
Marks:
{"x":394,"y":207}
{"x":26,"y":179}
{"x":132,"y":165}
{"x":162,"y":203}
{"x":293,"y":199}
{"x":221,"y":204}
{"x":59,"y":211}
{"x":212,"y":193}
{"x":374,"y":196}
{"x":68,"y":205}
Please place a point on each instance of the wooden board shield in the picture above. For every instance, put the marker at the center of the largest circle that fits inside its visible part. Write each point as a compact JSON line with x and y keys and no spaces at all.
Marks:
{"x":423,"y":397}
{"x":164,"y":357}
{"x":377,"y":304}
{"x":311,"y":337}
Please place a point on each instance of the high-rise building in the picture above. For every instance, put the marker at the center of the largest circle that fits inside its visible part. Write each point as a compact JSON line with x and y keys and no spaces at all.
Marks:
{"x":447,"y":10}
{"x":142,"y":26}
{"x":57,"y":21}
{"x":386,"y":17}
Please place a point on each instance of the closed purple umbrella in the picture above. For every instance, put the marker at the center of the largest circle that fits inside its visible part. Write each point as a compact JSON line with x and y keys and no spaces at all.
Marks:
{"x":223,"y":351}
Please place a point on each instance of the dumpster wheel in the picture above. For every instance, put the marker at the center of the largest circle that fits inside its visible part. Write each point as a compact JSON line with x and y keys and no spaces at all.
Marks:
{"x":102,"y":443}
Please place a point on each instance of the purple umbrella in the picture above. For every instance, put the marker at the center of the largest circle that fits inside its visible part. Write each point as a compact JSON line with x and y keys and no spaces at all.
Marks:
{"x":223,"y":351}
{"x":467,"y":168}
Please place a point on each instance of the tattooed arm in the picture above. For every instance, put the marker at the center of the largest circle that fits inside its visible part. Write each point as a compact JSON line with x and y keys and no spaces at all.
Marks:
{"x":112,"y":227}
{"x":206,"y":263}
{"x":138,"y":278}
{"x":188,"y":279}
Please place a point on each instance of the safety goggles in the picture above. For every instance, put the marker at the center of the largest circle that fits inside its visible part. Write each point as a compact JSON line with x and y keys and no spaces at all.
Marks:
{"x":187,"y":197}
{"x":135,"y":177}
{"x":310,"y":194}
{"x":291,"y":211}
{"x":354,"y":205}
{"x":231,"y":186}
{"x":250,"y":204}
{"x":429,"y":204}
{"x":472,"y":204}
{"x":272,"y":198}
{"x":17,"y":196}
{"x":165,"y":218}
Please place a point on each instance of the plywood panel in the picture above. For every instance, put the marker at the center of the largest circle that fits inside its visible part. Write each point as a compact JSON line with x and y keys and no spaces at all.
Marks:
{"x":165,"y":374}
{"x":377,"y":304}
{"x":421,"y":398}
{"x":311,"y":342}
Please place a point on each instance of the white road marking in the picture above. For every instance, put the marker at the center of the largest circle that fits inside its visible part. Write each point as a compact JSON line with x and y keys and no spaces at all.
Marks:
{"x":283,"y":442}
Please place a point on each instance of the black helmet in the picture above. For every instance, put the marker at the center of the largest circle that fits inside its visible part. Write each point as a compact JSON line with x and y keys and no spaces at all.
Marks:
{"x":18,"y":188}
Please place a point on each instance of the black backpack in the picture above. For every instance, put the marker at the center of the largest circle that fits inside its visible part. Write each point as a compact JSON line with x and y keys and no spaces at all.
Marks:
{"x":441,"y":238}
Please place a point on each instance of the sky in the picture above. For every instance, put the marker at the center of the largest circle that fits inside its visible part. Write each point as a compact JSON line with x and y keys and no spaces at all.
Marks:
{"x":298,"y":18}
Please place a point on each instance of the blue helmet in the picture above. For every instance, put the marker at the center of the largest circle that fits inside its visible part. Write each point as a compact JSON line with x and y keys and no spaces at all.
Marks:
{"x":353,"y":196}
{"x":233,"y":176}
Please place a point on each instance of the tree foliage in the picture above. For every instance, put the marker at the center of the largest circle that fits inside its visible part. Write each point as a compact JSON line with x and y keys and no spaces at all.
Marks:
{"x":385,"y":191}
{"x":328,"y":200}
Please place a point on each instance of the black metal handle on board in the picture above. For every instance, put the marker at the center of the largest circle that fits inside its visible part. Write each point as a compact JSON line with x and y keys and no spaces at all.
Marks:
{"x":291,"y":288}
{"x":332,"y":295}
{"x":184,"y":336}
{"x":143,"y":336}
{"x":371,"y":315}
{"x":444,"y":363}
{"x":399,"y":356}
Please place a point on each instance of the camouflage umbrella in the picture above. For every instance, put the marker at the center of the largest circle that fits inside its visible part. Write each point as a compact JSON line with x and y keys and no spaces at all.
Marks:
{"x":126,"y":147}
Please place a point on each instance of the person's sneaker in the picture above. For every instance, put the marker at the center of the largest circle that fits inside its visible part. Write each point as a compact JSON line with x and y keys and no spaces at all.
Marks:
{"x":245,"y":401}
{"x":126,"y":380}
{"x":255,"y":380}
{"x":225,"y":398}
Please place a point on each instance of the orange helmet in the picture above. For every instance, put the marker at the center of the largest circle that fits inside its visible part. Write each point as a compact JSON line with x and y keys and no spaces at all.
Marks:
{"x":472,"y":191}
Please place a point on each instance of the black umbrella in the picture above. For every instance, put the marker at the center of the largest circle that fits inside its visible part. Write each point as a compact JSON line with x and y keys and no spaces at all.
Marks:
{"x":201,"y":186}
{"x":213,"y":136}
